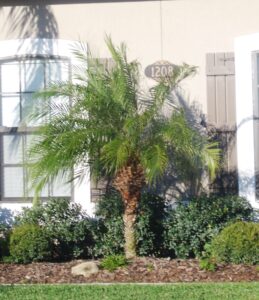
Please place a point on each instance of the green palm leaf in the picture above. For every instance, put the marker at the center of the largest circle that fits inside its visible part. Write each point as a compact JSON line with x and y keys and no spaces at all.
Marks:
{"x":109,"y":122}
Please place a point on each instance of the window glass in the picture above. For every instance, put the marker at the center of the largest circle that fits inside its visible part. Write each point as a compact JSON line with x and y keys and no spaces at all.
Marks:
{"x":31,"y":105}
{"x":56,"y":71}
{"x":10,"y":78}
{"x":32,"y":76}
{"x":13,"y":153}
{"x":11,"y":111}
{"x":19,"y":81}
{"x":61,"y":186}
{"x":31,"y":192}
{"x":13,"y":182}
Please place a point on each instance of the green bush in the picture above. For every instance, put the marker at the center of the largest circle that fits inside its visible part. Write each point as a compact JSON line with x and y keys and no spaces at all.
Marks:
{"x":68,"y":227}
{"x":29,"y":243}
{"x":189,"y":227}
{"x":4,"y":240}
{"x":113,"y":262}
{"x":149,"y":225}
{"x":237,"y":243}
{"x":108,"y":227}
{"x":108,"y":236}
{"x":108,"y":230}
{"x":6,"y":221}
{"x":208,"y":264}
{"x":4,"y":243}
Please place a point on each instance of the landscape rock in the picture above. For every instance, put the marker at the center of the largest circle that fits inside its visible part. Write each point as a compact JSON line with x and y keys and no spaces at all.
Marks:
{"x":86,"y":269}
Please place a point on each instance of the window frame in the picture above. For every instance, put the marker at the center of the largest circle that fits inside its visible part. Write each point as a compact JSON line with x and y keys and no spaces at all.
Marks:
{"x":21,"y":50}
{"x":245,"y":49}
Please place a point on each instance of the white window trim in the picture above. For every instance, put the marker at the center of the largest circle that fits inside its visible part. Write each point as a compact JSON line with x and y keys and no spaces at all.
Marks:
{"x":244,"y":48}
{"x":48,"y":47}
{"x":23,"y":47}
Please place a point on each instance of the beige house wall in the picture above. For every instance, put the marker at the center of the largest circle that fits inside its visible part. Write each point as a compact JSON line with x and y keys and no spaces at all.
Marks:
{"x":177,"y":30}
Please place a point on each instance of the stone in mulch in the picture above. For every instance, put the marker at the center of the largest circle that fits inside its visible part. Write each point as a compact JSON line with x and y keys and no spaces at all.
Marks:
{"x":85,"y":268}
{"x":143,"y":269}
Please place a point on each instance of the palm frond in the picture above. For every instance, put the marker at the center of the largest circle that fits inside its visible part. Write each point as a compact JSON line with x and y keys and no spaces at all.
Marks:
{"x":155,"y":160}
{"x":115,"y":154}
{"x":211,"y":157}
{"x":103,"y":121}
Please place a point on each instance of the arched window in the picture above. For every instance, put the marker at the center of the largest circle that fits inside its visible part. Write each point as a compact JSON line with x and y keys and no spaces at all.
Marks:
{"x":27,"y":66}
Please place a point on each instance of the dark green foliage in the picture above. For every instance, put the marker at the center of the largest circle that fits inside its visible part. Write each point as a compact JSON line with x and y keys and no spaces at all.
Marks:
{"x":149,"y":226}
{"x":108,"y":236}
{"x":113,"y":262}
{"x":108,"y":228}
{"x":29,"y":243}
{"x":237,"y":243}
{"x":180,"y":232}
{"x":6,"y":221}
{"x":190,"y":227}
{"x":67,"y":226}
{"x":110,"y":205}
{"x":4,"y":243}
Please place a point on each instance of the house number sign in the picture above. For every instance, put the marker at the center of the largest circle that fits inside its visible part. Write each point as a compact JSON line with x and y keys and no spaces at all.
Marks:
{"x":159,"y":70}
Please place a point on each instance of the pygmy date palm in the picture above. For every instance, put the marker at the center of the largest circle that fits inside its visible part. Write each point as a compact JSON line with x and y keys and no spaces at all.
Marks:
{"x":112,"y":128}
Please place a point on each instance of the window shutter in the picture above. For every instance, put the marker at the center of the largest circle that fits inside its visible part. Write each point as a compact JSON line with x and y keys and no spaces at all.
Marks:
{"x":221,"y":108}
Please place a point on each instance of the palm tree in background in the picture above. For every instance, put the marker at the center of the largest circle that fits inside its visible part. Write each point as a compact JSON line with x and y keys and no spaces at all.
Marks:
{"x":114,"y":129}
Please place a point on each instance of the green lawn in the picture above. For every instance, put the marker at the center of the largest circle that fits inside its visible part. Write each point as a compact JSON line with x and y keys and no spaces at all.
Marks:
{"x":235,"y":291}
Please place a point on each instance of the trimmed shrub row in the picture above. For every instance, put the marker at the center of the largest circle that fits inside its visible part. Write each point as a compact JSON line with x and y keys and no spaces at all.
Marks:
{"x":59,"y":230}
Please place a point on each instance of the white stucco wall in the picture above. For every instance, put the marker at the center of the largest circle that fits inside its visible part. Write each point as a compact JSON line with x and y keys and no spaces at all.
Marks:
{"x":175,"y":30}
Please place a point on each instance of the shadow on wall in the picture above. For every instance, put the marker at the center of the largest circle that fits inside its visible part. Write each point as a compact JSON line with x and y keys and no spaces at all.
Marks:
{"x":36,"y":21}
{"x":188,"y":183}
{"x":226,"y":181}
{"x":6,"y":217}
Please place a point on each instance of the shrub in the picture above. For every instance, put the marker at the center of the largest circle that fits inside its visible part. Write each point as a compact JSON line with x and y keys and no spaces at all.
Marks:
{"x":108,"y":237}
{"x":207,"y":261}
{"x":4,"y":240}
{"x":6,"y":221}
{"x":149,"y":225}
{"x":113,"y":262}
{"x":237,"y":243}
{"x":29,"y":243}
{"x":4,"y":243}
{"x":68,"y":227}
{"x":109,"y":227}
{"x":208,"y":264}
{"x":190,"y":226}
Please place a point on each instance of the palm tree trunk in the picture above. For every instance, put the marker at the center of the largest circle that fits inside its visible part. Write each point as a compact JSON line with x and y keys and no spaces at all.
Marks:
{"x":129,"y":219}
{"x":129,"y":182}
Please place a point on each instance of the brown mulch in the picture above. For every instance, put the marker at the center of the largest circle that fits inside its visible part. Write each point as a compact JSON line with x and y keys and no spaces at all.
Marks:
{"x":140,"y":270}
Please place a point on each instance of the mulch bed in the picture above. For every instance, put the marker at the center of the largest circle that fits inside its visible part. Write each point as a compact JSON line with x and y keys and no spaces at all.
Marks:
{"x":140,"y":270}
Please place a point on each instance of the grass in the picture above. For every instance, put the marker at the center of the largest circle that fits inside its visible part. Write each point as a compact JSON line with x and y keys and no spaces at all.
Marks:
{"x":192,"y":291}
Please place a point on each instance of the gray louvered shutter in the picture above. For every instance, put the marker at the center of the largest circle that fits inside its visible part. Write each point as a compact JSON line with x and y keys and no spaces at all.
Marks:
{"x":221,"y":107}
